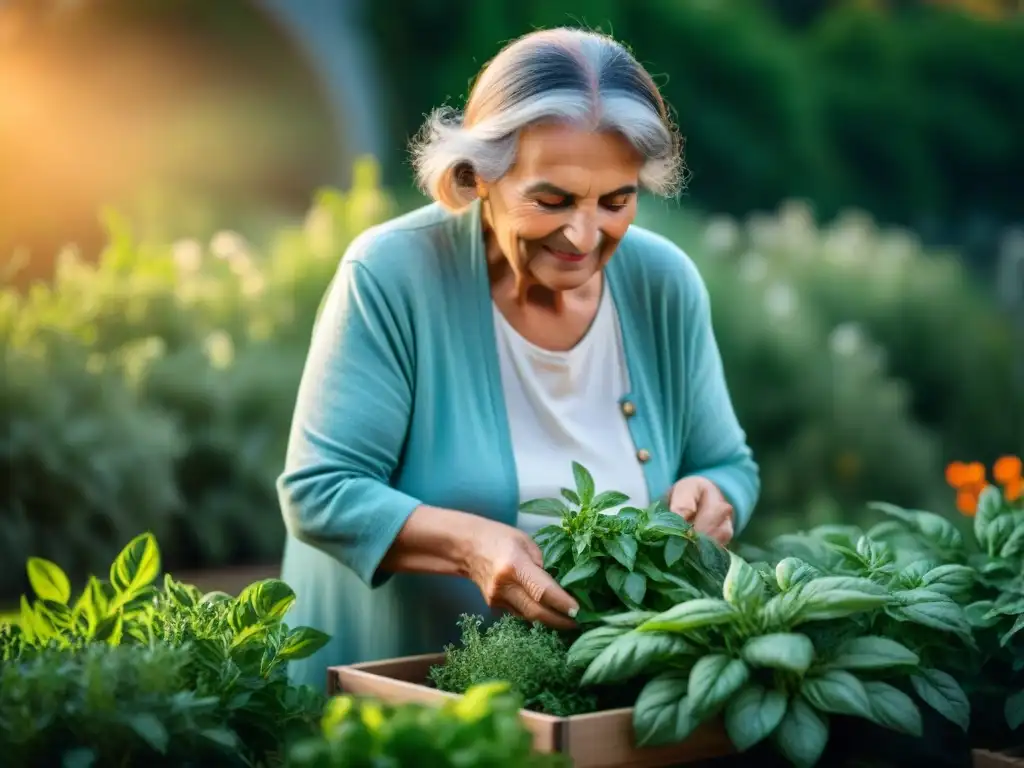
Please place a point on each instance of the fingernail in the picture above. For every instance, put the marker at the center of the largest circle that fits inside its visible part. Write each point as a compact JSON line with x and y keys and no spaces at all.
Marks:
{"x":573,"y":612}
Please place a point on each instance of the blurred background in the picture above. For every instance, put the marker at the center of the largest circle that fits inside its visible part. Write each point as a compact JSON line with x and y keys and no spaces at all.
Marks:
{"x":178,"y":179}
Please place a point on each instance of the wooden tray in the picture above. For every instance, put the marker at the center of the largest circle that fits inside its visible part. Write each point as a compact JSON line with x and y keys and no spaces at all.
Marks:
{"x":591,"y":741}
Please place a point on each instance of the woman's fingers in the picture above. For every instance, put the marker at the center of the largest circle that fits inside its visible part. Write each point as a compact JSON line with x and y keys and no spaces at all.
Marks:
{"x":541,"y":587}
{"x":517,"y":600}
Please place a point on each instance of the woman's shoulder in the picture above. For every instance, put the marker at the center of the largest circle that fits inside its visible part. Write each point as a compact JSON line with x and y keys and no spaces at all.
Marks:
{"x":658,"y":266}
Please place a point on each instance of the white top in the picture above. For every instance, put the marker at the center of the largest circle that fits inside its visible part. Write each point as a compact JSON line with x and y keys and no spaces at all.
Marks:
{"x":565,"y":407}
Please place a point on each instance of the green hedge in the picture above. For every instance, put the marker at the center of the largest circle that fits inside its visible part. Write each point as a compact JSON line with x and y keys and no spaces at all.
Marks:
{"x":154,"y":390}
{"x":914,"y":115}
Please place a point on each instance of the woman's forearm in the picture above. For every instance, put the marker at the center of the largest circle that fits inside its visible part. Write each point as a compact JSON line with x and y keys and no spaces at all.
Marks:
{"x":434,"y":540}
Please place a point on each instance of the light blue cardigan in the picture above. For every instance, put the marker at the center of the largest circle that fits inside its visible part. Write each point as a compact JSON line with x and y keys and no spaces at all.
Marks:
{"x":401,"y":404}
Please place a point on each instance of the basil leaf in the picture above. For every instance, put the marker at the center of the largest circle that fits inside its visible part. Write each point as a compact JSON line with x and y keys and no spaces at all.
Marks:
{"x":1018,"y":625}
{"x":753,"y":714}
{"x":693,"y":614}
{"x":635,"y":587}
{"x":838,"y":693}
{"x":591,"y":643}
{"x":623,"y":548}
{"x":943,"y":694}
{"x":930,"y":609}
{"x":871,"y":652}
{"x":1014,"y":710}
{"x":631,"y":654}
{"x":675,"y":548}
{"x":607,"y":500}
{"x":584,"y":483}
{"x":662,"y":713}
{"x":554,"y":549}
{"x":743,"y":587}
{"x":791,"y":572}
{"x":546,"y":507}
{"x":892,"y":708}
{"x":802,"y":735}
{"x":713,"y":680}
{"x":950,"y":580}
{"x":302,"y":642}
{"x":791,"y":652}
{"x":48,"y":581}
{"x":580,"y":572}
{"x":630,"y":619}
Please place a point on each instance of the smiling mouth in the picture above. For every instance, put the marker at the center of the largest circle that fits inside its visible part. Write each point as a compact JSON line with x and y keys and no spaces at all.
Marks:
{"x":570,"y":256}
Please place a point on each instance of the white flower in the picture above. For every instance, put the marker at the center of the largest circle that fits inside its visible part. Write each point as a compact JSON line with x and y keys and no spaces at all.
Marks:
{"x":187,"y":255}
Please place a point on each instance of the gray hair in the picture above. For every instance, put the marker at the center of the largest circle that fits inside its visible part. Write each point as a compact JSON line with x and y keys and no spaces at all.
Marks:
{"x":558,"y":75}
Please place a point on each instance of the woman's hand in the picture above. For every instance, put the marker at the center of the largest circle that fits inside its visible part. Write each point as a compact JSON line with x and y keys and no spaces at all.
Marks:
{"x":700,"y":502}
{"x":507,"y":566}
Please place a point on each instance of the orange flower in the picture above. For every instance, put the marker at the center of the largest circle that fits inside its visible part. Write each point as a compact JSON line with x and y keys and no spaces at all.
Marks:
{"x":1014,"y":490}
{"x":967,"y":502}
{"x":1007,"y":470}
{"x":966,"y":476}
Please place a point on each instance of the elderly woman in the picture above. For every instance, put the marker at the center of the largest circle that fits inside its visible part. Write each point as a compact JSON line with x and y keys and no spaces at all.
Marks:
{"x":468,"y":352}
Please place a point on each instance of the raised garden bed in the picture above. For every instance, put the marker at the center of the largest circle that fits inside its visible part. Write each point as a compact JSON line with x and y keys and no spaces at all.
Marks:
{"x":590,"y":741}
{"x":983,"y":758}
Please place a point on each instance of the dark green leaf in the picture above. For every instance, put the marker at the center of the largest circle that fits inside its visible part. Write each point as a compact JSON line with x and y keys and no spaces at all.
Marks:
{"x":662,"y":714}
{"x":150,"y":730}
{"x":1018,"y":625}
{"x":1014,"y":710}
{"x":623,"y":548}
{"x":935,"y":529}
{"x":581,"y":572}
{"x":979,"y":614}
{"x":943,"y":694}
{"x":222,"y":737}
{"x":871,"y":652}
{"x":80,"y":757}
{"x":616,"y":575}
{"x":570,"y":496}
{"x":951,"y":580}
{"x":753,"y":714}
{"x":546,"y":507}
{"x":555,"y":548}
{"x":693,"y":614}
{"x":607,"y":500}
{"x":988,"y":510}
{"x":635,"y":587}
{"x":675,"y":548}
{"x":48,"y":580}
{"x":589,"y":645}
{"x":713,"y":680}
{"x":791,"y":652}
{"x":930,"y":609}
{"x":892,"y":708}
{"x":802,"y":735}
{"x":837,"y":692}
{"x":584,"y":483}
{"x":631,"y":654}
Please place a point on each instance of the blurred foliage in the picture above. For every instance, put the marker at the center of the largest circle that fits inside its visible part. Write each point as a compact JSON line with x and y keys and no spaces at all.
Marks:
{"x":154,"y":389}
{"x":911,"y":111}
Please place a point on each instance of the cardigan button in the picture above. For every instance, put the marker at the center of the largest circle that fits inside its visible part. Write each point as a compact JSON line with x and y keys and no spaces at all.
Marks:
{"x":643,"y":455}
{"x":628,"y":409}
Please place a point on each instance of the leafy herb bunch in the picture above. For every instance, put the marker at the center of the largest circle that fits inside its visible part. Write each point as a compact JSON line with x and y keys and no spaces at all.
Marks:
{"x":481,"y":729}
{"x":231,"y":651}
{"x":635,"y":559}
{"x":776,"y":658}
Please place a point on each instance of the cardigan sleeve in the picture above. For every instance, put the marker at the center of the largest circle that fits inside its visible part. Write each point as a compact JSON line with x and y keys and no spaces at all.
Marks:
{"x":349,"y":426}
{"x":716,"y":445}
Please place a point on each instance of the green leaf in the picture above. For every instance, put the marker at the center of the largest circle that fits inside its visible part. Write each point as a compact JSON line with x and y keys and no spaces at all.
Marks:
{"x":222,"y":737}
{"x":753,"y":714}
{"x":930,"y":609}
{"x":979,"y":614}
{"x":302,"y":643}
{"x":571,"y":497}
{"x":792,"y":571}
{"x":629,"y":619}
{"x":48,"y":580}
{"x":935,"y":529}
{"x":1014,"y":710}
{"x":1014,"y":544}
{"x":150,"y":730}
{"x":555,"y":548}
{"x":892,"y":708}
{"x":837,"y":692}
{"x":584,"y":483}
{"x":607,"y":500}
{"x":791,"y":652}
{"x":1018,"y":625}
{"x":943,"y":694}
{"x":693,"y":614}
{"x":713,"y":679}
{"x":837,"y":604}
{"x":950,"y":580}
{"x":580,"y":572}
{"x":988,"y":510}
{"x":872,"y":652}
{"x":545,"y":507}
{"x":635,"y":587}
{"x":675,"y":548}
{"x":80,"y":757}
{"x":591,"y":643}
{"x":623,"y":548}
{"x":631,"y":654}
{"x":136,"y":567}
{"x":270,"y":599}
{"x":743,"y":587}
{"x":802,"y":735}
{"x":661,"y":714}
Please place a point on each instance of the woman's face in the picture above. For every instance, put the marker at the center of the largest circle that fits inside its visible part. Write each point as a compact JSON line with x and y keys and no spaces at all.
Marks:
{"x":563,"y":207}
